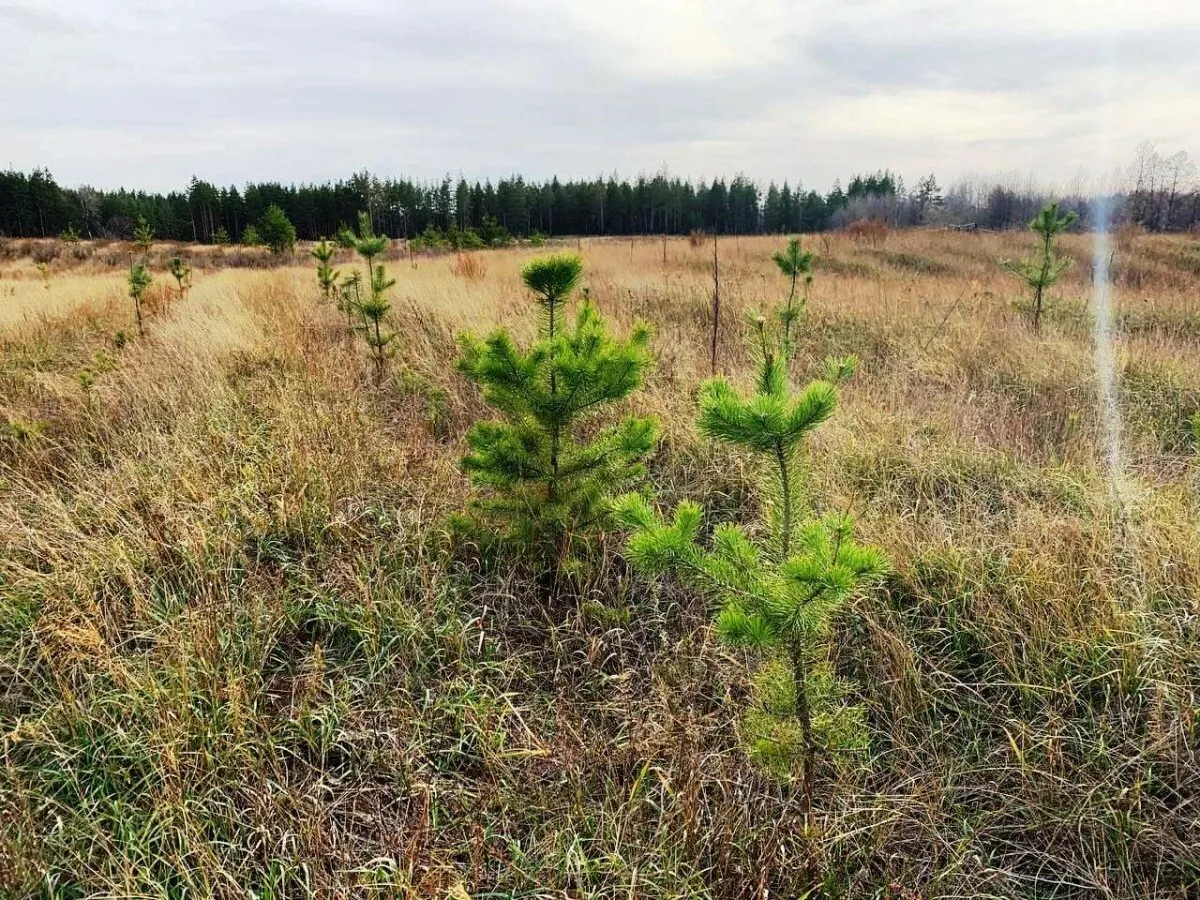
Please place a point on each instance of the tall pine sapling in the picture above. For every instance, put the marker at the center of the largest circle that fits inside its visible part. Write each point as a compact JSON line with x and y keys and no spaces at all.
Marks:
{"x":1044,"y":271}
{"x":373,"y":310}
{"x":327,"y":276}
{"x":139,"y":283}
{"x":776,"y":587}
{"x":545,"y":471}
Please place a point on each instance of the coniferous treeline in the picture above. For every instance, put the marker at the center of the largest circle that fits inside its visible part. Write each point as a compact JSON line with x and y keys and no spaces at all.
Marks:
{"x":1163,"y":195}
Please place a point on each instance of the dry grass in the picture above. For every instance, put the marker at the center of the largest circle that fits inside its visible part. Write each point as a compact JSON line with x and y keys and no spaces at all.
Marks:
{"x":236,"y":659}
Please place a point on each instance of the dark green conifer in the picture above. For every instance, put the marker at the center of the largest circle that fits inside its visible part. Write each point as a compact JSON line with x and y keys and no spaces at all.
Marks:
{"x":546,"y":472}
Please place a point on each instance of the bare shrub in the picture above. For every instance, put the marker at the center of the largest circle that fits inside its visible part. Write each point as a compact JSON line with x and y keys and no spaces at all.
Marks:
{"x":697,"y":238}
{"x":46,"y":252}
{"x":873,"y":232}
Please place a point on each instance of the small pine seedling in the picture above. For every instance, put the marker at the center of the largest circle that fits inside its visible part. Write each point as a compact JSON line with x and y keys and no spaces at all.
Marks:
{"x":776,"y":594}
{"x":1043,"y":272}
{"x":139,"y":282}
{"x":44,"y":270}
{"x":327,"y":276}
{"x":350,"y":296}
{"x":547,"y":482}
{"x":87,"y":380}
{"x":70,"y":235}
{"x":182,"y":275}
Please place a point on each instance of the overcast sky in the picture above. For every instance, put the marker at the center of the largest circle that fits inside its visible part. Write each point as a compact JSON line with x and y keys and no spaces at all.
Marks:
{"x":145,"y":94}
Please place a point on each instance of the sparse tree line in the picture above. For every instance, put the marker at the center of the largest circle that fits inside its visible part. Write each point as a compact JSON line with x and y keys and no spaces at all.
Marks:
{"x":1160,"y":193}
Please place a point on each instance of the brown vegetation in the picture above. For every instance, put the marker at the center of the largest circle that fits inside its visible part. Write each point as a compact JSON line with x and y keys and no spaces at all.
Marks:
{"x":236,"y":654}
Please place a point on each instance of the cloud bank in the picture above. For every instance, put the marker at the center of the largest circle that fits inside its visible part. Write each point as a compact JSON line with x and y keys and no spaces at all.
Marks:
{"x":127,"y":92}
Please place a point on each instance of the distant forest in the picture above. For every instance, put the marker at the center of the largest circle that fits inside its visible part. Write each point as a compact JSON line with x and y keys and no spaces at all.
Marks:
{"x":1161,"y":194}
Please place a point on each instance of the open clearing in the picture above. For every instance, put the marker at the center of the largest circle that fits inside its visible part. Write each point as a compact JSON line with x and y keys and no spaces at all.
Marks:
{"x":237,"y":658}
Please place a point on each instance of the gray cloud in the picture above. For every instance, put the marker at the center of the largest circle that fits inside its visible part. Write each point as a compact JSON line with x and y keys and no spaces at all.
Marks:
{"x":29,"y":19}
{"x":1002,"y":62}
{"x":139,"y":93}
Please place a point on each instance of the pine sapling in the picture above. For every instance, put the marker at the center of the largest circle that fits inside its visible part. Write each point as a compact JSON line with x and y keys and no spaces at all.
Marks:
{"x":327,"y":276}
{"x":182,"y":275}
{"x":776,"y":588}
{"x":545,"y":472}
{"x":367,"y":244}
{"x":1043,"y":272}
{"x":143,"y":236}
{"x":139,"y":283}
{"x":350,"y":296}
{"x":373,"y":311}
{"x":795,"y":264}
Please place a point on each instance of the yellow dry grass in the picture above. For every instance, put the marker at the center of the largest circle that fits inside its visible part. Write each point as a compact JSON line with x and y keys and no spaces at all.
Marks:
{"x":220,"y":574}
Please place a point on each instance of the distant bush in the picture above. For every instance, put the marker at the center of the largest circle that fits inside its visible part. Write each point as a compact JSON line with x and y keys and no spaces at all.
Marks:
{"x":277,"y":231}
{"x":251,"y":237}
{"x":868,"y":231}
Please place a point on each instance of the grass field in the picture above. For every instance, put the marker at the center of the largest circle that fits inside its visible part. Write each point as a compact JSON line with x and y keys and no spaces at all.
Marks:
{"x":238,"y":660}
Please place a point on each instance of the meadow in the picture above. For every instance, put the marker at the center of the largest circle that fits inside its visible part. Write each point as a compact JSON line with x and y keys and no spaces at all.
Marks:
{"x":240,"y":657}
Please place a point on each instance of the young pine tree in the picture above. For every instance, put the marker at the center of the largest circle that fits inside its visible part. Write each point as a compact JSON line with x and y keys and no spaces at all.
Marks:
{"x":546,"y":473}
{"x":143,"y":235}
{"x":373,"y":311}
{"x":795,"y":264}
{"x":1044,"y":271}
{"x":139,"y":283}
{"x":327,"y":276}
{"x":777,"y":587}
{"x":182,"y":275}
{"x":367,"y":244}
